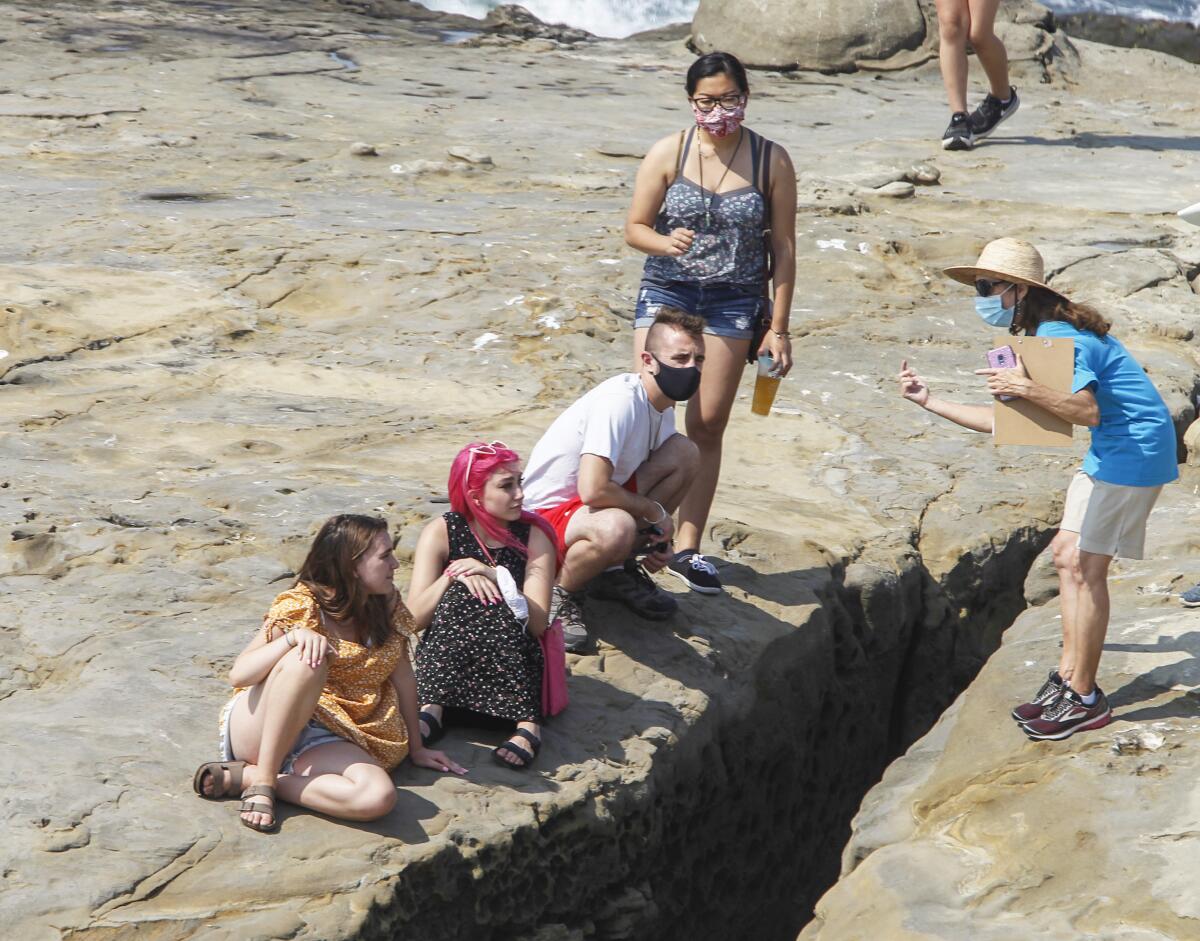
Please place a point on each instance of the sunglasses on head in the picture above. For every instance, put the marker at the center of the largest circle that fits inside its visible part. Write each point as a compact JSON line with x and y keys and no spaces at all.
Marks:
{"x":984,"y":287}
{"x":492,"y":448}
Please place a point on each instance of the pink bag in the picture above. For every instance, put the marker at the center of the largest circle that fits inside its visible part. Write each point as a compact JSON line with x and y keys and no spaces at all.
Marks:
{"x":554,"y":673}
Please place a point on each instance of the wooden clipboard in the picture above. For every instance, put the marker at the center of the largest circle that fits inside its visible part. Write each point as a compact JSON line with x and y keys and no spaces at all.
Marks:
{"x":1050,"y":361}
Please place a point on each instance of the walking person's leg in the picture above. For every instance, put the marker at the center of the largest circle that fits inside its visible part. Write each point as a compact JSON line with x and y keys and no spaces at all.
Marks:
{"x":1001,"y":102}
{"x":954,"y":25}
{"x":987,"y":45}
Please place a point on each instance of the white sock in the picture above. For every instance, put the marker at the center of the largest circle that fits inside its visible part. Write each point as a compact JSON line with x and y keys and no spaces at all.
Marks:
{"x":1090,"y":698}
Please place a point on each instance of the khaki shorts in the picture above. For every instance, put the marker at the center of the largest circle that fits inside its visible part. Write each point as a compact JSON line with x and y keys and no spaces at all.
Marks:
{"x":1110,"y":518}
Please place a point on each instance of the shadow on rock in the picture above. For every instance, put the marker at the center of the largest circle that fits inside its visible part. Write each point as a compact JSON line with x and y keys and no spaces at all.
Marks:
{"x":1089,"y":141}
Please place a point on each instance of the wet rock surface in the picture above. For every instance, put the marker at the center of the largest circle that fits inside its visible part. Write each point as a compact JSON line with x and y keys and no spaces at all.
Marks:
{"x":223,"y":325}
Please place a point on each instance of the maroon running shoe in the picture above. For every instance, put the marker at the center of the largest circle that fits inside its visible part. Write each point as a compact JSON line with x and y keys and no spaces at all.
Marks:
{"x":1068,"y":716}
{"x":1050,"y":693}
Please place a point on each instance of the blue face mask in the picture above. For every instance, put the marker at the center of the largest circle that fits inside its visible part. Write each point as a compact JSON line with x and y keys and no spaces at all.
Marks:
{"x":993,"y":311}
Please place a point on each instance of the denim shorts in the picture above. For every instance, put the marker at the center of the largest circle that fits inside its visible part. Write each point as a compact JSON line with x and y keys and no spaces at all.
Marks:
{"x":310,"y":736}
{"x":729,"y":310}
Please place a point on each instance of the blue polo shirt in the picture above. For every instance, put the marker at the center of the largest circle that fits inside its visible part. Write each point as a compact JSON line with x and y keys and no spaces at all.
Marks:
{"x":1134,"y":444}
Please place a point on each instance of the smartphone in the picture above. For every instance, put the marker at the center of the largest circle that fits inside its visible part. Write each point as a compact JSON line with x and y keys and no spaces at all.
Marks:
{"x":1002,"y":357}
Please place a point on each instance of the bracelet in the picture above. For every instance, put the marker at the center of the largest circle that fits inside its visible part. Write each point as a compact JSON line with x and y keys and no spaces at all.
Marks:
{"x":780,"y":333}
{"x":665,"y":514}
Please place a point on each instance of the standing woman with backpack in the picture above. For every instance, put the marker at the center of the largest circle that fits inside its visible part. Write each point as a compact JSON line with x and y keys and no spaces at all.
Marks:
{"x":714,"y":208}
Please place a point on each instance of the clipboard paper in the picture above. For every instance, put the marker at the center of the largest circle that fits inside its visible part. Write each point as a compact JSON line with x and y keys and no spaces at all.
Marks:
{"x":1050,"y":361}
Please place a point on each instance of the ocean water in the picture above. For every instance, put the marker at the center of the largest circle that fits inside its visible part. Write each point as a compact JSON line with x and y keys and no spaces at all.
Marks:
{"x":624,"y":17}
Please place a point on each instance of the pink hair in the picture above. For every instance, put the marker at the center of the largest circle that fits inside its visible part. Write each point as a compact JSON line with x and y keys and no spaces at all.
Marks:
{"x":482,"y":467}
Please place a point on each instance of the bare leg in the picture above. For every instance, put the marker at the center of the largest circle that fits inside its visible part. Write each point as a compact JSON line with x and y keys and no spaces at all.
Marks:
{"x":707,"y":416}
{"x":1092,"y":619}
{"x":988,"y":47}
{"x":954,"y":23}
{"x":264,"y":725}
{"x":339,"y":779}
{"x":595,"y":540}
{"x":1065,"y":549}
{"x":669,"y":471}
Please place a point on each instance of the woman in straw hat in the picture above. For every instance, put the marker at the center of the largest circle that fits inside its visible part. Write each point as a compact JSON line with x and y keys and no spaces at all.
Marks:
{"x":1132,"y":454}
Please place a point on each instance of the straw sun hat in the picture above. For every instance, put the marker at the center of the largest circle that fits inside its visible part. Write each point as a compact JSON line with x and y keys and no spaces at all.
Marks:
{"x":1011,"y":260}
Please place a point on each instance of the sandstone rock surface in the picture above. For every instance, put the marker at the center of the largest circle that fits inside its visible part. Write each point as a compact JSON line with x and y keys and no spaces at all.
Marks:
{"x":820,"y":35}
{"x":977,"y":832}
{"x":222,"y":326}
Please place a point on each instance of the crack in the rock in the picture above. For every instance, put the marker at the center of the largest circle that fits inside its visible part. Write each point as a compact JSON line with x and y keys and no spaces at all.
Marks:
{"x":281,"y":73}
{"x":158,"y":880}
{"x":92,"y":345}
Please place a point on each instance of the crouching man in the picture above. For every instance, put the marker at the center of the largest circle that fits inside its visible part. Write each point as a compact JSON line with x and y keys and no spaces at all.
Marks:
{"x":611,"y":471}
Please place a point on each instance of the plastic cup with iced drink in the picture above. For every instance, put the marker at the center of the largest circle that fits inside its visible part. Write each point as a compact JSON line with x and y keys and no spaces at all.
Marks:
{"x":765,"y":386}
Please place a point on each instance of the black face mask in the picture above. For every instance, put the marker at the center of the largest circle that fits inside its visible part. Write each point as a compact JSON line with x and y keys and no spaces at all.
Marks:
{"x":678,"y":383}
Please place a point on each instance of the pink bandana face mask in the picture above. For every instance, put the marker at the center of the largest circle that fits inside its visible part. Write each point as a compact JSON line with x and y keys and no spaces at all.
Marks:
{"x":719,"y":122}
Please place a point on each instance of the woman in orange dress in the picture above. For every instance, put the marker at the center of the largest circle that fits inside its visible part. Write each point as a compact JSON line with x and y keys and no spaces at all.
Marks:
{"x":325,"y":693}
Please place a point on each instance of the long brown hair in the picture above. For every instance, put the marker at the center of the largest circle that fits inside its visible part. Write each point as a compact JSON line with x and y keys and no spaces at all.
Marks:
{"x":1040,"y":306}
{"x":328,"y":572}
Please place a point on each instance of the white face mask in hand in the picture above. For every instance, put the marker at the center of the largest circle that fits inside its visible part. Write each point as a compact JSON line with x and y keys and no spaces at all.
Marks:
{"x":512,"y":595}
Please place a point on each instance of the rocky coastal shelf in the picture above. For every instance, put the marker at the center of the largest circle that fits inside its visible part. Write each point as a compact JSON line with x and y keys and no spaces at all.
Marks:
{"x":268,"y":262}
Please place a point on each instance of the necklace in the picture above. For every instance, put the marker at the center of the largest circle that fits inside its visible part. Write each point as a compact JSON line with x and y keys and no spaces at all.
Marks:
{"x":482,"y":545}
{"x":700,"y":162}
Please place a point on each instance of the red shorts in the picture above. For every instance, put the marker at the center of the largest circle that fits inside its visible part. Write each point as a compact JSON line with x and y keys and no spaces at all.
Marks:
{"x":559,"y":516}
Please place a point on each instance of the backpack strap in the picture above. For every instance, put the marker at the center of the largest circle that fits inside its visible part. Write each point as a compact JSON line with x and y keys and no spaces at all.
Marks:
{"x":762,"y":181}
{"x":682,"y":151}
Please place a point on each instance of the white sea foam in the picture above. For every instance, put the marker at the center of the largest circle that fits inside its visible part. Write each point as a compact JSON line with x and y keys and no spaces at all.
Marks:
{"x":1184,"y":11}
{"x":623,"y":17}
{"x":602,"y":17}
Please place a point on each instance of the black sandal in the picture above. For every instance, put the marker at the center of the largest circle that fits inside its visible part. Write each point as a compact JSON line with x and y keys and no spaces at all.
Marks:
{"x":436,"y":730}
{"x":515,"y":749}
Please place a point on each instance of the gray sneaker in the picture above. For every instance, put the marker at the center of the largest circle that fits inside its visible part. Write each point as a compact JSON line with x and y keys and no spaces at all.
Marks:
{"x":566,"y":607}
{"x":633,"y":587}
{"x":1191,"y":597}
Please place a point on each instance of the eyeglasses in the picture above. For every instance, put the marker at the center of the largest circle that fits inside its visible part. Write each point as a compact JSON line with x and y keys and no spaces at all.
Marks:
{"x":492,"y":448}
{"x":728,"y":102}
{"x":984,"y":287}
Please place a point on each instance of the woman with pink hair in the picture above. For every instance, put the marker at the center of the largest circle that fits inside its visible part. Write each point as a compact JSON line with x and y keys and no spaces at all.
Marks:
{"x":481,"y":595}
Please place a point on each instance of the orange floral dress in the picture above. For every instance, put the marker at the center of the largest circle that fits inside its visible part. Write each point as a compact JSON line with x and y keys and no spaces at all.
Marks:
{"x":358,"y":702}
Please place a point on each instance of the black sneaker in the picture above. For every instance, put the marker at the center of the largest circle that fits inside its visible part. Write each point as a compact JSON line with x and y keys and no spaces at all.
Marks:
{"x":1050,"y":693}
{"x":696,"y":571}
{"x":634,"y":588}
{"x":1068,"y":716}
{"x":987,"y":117}
{"x":565,"y":606}
{"x":959,"y":135}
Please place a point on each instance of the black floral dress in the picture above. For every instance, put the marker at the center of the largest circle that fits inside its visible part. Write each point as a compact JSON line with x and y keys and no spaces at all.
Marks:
{"x":477,"y":656}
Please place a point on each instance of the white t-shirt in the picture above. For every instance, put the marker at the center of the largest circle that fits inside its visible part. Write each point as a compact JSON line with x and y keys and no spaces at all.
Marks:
{"x":614,"y":421}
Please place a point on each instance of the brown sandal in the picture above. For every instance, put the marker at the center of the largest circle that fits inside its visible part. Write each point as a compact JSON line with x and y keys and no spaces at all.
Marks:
{"x":257,"y":807}
{"x":214,"y":768}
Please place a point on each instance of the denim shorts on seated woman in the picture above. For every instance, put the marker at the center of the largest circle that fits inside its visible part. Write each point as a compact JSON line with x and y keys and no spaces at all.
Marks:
{"x":729,"y":310}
